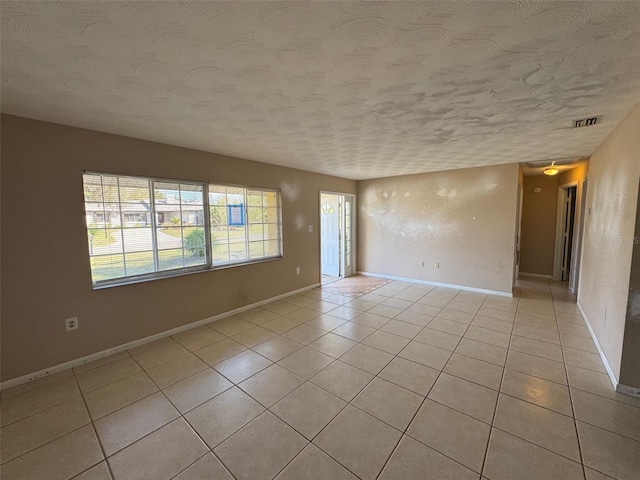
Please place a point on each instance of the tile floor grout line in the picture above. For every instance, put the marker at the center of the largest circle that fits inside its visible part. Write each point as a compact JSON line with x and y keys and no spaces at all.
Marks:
{"x":43,"y":410}
{"x":310,"y":442}
{"x":102,"y":359}
{"x":536,"y":445}
{"x":426,"y":397}
{"x":375,"y":376}
{"x":607,"y":429}
{"x":403,"y":433}
{"x":334,"y":417}
{"x":349,"y":403}
{"x":180,"y":416}
{"x":200,"y":458}
{"x":81,"y":395}
{"x":306,"y":381}
{"x":495,"y":407}
{"x":4,"y":398}
{"x":50,"y":441}
{"x":91,"y":419}
{"x":126,"y":376}
{"x":95,"y":431}
{"x":367,"y":413}
{"x":571,"y":401}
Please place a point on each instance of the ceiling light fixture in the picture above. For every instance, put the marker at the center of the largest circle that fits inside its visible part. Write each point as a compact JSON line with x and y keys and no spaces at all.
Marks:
{"x":552,"y":170}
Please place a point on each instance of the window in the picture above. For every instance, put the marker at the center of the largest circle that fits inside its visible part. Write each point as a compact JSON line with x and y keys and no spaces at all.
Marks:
{"x":140,"y":228}
{"x":326,"y":208}
{"x":245,"y":224}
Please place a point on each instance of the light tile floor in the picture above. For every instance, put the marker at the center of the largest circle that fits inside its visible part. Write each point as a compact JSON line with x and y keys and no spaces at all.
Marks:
{"x":404,"y":382}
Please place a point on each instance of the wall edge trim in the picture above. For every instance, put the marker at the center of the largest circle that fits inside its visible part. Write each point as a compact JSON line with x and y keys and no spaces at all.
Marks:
{"x":603,"y":357}
{"x":627,"y":390}
{"x":14,"y":382}
{"x":439,"y":284}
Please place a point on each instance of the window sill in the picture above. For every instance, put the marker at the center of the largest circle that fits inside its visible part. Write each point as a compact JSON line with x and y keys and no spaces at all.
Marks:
{"x":180,"y":273}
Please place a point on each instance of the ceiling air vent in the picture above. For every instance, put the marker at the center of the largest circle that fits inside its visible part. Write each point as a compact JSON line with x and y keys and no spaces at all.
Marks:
{"x":586,"y":122}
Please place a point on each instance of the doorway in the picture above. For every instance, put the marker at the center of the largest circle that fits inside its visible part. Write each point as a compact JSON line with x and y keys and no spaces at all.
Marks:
{"x":569,"y":226}
{"x":581,"y":209}
{"x":516,"y":261}
{"x":336,"y":235}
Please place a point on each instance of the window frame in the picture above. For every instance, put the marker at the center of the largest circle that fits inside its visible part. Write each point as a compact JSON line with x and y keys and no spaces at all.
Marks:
{"x":209,"y":264}
{"x":248,"y":260}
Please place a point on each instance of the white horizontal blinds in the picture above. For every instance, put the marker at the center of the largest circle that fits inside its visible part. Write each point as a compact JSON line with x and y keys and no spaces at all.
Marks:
{"x":135,"y":225}
{"x":118,"y":226}
{"x":143,"y":227}
{"x":219,"y":224}
{"x":245,"y":224}
{"x":263,"y":220}
{"x":126,"y":235}
{"x":180,"y":225}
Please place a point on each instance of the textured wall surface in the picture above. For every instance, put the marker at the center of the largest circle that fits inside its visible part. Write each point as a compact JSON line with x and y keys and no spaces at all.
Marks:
{"x":612,"y":193}
{"x":538,"y":225}
{"x":629,"y":369}
{"x":355,"y":89}
{"x":463,"y":219}
{"x":46,"y":275}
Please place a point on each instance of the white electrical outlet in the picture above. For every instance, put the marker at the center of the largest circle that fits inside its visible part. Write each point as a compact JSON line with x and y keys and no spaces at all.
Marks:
{"x":422,"y":263}
{"x":71,"y":324}
{"x":437,"y":265}
{"x":297,"y":270}
{"x":310,"y":228}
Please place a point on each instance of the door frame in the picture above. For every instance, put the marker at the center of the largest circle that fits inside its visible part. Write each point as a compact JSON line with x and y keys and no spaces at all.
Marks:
{"x":341,"y":239}
{"x":518,"y":242}
{"x":578,"y":234}
{"x":576,"y":240}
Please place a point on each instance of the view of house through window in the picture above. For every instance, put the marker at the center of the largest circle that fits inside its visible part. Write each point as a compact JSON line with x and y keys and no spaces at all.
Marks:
{"x":142,"y":227}
{"x":245,"y":224}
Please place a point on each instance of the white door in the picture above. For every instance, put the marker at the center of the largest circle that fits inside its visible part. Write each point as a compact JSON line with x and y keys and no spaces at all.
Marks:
{"x":329,"y":235}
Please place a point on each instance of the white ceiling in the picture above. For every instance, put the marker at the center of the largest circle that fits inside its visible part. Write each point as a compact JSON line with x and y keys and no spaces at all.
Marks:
{"x":358,"y":90}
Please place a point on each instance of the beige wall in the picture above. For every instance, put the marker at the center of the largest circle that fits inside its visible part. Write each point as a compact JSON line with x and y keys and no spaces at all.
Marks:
{"x":45,"y":263}
{"x":463,"y":219}
{"x":629,"y":368}
{"x":538,"y":224}
{"x":576,"y":174}
{"x":614,"y":172}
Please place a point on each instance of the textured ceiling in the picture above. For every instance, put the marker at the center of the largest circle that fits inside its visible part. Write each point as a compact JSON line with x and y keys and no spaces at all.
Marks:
{"x":358,"y":90}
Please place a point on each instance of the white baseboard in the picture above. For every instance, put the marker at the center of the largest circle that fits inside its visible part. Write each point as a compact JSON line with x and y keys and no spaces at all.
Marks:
{"x":136,"y":343}
{"x":603,"y":357}
{"x":438,"y":284}
{"x":627,"y":390}
{"x":536,"y":275}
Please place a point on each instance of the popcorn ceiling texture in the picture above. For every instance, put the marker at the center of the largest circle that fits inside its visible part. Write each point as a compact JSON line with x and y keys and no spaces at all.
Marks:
{"x":358,"y":90}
